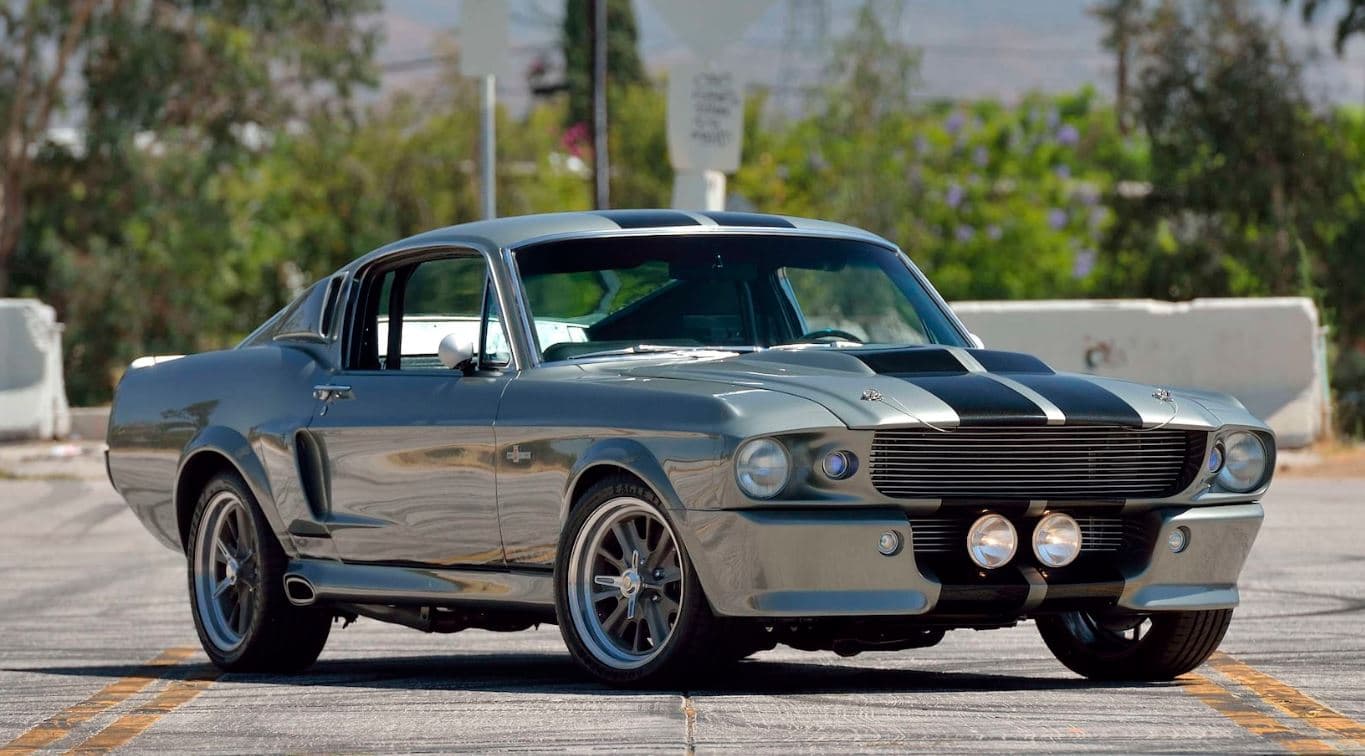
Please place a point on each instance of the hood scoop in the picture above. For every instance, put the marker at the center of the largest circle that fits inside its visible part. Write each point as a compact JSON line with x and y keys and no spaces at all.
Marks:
{"x":916,"y":360}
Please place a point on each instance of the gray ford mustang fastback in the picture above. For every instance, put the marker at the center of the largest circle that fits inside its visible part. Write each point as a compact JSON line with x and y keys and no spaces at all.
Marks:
{"x":683,"y":438}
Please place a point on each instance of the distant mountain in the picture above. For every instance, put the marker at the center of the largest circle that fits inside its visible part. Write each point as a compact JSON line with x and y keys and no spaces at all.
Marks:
{"x":972,"y":48}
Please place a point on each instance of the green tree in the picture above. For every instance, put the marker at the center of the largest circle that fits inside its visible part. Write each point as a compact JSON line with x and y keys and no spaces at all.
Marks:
{"x":123,"y":228}
{"x":623,"y":55}
{"x":38,"y":44}
{"x":1243,"y":171}
{"x":994,"y":201}
{"x":214,"y":70}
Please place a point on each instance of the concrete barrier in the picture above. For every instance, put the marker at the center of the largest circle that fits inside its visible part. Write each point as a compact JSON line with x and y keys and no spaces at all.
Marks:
{"x":1269,"y":353}
{"x":32,"y":391}
{"x":89,"y":423}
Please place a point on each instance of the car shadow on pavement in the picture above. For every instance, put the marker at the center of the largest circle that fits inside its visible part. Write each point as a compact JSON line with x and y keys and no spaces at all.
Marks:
{"x":556,"y":673}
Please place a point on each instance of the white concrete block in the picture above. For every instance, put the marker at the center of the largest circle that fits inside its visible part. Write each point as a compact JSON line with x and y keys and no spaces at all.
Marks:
{"x":32,"y":390}
{"x":1266,"y":352}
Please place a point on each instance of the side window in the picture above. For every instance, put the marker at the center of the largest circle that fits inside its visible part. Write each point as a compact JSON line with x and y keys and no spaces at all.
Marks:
{"x":414,"y":307}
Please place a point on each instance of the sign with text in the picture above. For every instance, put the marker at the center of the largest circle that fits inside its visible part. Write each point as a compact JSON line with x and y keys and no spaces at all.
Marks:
{"x":705,"y":119}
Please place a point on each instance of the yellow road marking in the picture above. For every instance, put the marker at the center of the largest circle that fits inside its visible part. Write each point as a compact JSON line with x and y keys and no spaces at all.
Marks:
{"x":1289,"y":699}
{"x":690,"y":727}
{"x":1247,"y":717}
{"x":60,"y":725}
{"x":135,"y":722}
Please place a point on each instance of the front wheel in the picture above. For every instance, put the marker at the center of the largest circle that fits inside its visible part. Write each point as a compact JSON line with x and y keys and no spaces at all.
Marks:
{"x":1122,"y":646}
{"x":245,"y":621}
{"x":629,"y":604}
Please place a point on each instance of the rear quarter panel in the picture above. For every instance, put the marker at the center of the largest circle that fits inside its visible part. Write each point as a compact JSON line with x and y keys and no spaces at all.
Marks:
{"x":242,"y":403}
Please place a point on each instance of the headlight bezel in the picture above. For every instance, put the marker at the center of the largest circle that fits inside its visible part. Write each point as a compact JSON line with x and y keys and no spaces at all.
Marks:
{"x":744,"y":456}
{"x":1234,"y":443}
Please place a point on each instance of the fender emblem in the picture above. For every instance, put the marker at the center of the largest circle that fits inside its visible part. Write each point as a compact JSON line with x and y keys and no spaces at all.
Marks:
{"x":516,"y":456}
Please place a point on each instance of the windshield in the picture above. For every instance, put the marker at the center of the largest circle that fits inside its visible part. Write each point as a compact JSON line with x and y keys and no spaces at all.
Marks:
{"x":698,"y":291}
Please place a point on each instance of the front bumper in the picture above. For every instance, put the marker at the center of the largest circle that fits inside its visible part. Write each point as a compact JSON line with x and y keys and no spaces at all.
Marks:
{"x":825,"y":563}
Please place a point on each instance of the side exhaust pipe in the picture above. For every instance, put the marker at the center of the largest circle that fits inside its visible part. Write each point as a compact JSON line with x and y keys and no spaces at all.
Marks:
{"x":299,"y":590}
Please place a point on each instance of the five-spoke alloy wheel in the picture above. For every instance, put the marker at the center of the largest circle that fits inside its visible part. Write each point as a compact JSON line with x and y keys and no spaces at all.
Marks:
{"x":625,"y":583}
{"x":226,"y":570}
{"x":236,"y":576}
{"x":629,"y":605}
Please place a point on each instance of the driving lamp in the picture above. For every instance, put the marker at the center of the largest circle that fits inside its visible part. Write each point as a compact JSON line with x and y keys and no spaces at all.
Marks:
{"x":1244,"y":461}
{"x":762,"y":468}
{"x":838,"y":465}
{"x":1216,"y":459}
{"x":991,"y":541}
{"x":1057,"y":540}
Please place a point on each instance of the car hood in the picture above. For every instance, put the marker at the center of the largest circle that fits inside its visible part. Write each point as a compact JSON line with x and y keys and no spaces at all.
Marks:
{"x":944,"y":387}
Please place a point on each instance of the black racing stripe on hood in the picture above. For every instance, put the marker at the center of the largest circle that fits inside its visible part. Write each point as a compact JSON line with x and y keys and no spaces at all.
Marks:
{"x":748,"y":219}
{"x":918,"y":360}
{"x":1083,"y":402}
{"x":1009,"y":362}
{"x":978,"y":400}
{"x":648,"y":218}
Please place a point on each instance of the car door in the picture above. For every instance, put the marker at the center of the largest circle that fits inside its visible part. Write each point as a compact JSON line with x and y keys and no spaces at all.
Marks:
{"x":409,"y":442}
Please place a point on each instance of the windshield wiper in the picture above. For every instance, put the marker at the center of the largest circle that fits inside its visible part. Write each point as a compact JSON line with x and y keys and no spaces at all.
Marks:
{"x":661,"y":349}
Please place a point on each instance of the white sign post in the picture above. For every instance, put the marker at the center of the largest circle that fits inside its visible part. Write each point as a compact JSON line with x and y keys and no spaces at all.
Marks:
{"x":706,"y":104}
{"x":705,"y":132}
{"x":483,"y":53}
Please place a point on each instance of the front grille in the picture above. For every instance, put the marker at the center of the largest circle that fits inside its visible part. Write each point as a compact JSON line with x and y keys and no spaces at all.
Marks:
{"x":945,"y":535}
{"x":1082,"y":462}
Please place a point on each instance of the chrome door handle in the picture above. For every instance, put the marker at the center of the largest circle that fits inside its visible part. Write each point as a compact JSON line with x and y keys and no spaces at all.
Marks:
{"x":329,"y":392}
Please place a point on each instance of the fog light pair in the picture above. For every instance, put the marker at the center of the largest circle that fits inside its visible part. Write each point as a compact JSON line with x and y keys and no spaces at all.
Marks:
{"x":992,"y":540}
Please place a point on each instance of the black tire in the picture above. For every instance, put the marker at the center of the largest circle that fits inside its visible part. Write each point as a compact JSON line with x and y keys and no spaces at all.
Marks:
{"x":277,"y":636}
{"x":690,"y":648}
{"x":1175,"y":643}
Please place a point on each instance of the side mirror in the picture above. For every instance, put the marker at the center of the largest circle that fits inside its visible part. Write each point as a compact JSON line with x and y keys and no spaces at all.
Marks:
{"x":455,"y":352}
{"x":976,"y":341}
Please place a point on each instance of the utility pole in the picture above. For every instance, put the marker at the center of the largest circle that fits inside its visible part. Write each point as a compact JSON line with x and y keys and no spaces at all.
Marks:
{"x":1122,"y":19}
{"x":601,"y":170}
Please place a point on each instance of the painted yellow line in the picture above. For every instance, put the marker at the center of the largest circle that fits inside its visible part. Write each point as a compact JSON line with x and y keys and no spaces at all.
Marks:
{"x":1289,"y":699}
{"x":135,"y":722}
{"x":1247,"y":717}
{"x":60,"y":725}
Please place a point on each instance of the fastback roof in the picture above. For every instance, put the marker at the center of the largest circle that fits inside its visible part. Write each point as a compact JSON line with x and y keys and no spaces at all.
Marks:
{"x":516,"y":230}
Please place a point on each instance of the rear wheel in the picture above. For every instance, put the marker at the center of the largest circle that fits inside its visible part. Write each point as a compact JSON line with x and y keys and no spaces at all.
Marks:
{"x":1124,"y":646}
{"x":244,"y":620}
{"x":629,"y":605}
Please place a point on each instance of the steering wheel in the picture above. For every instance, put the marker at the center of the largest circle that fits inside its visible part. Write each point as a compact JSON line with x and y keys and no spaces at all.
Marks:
{"x":829,"y":333}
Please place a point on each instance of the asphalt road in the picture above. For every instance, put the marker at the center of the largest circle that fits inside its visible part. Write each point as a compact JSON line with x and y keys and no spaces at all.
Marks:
{"x":97,"y":652}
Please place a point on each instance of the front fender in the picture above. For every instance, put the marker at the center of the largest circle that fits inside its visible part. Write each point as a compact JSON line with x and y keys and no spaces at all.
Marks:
{"x":636,"y":458}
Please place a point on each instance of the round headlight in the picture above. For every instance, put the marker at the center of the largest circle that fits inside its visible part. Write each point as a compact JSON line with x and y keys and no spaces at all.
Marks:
{"x":991,"y":541}
{"x":762,"y":468}
{"x":1244,"y":461}
{"x":839,"y":464}
{"x":1057,"y":540}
